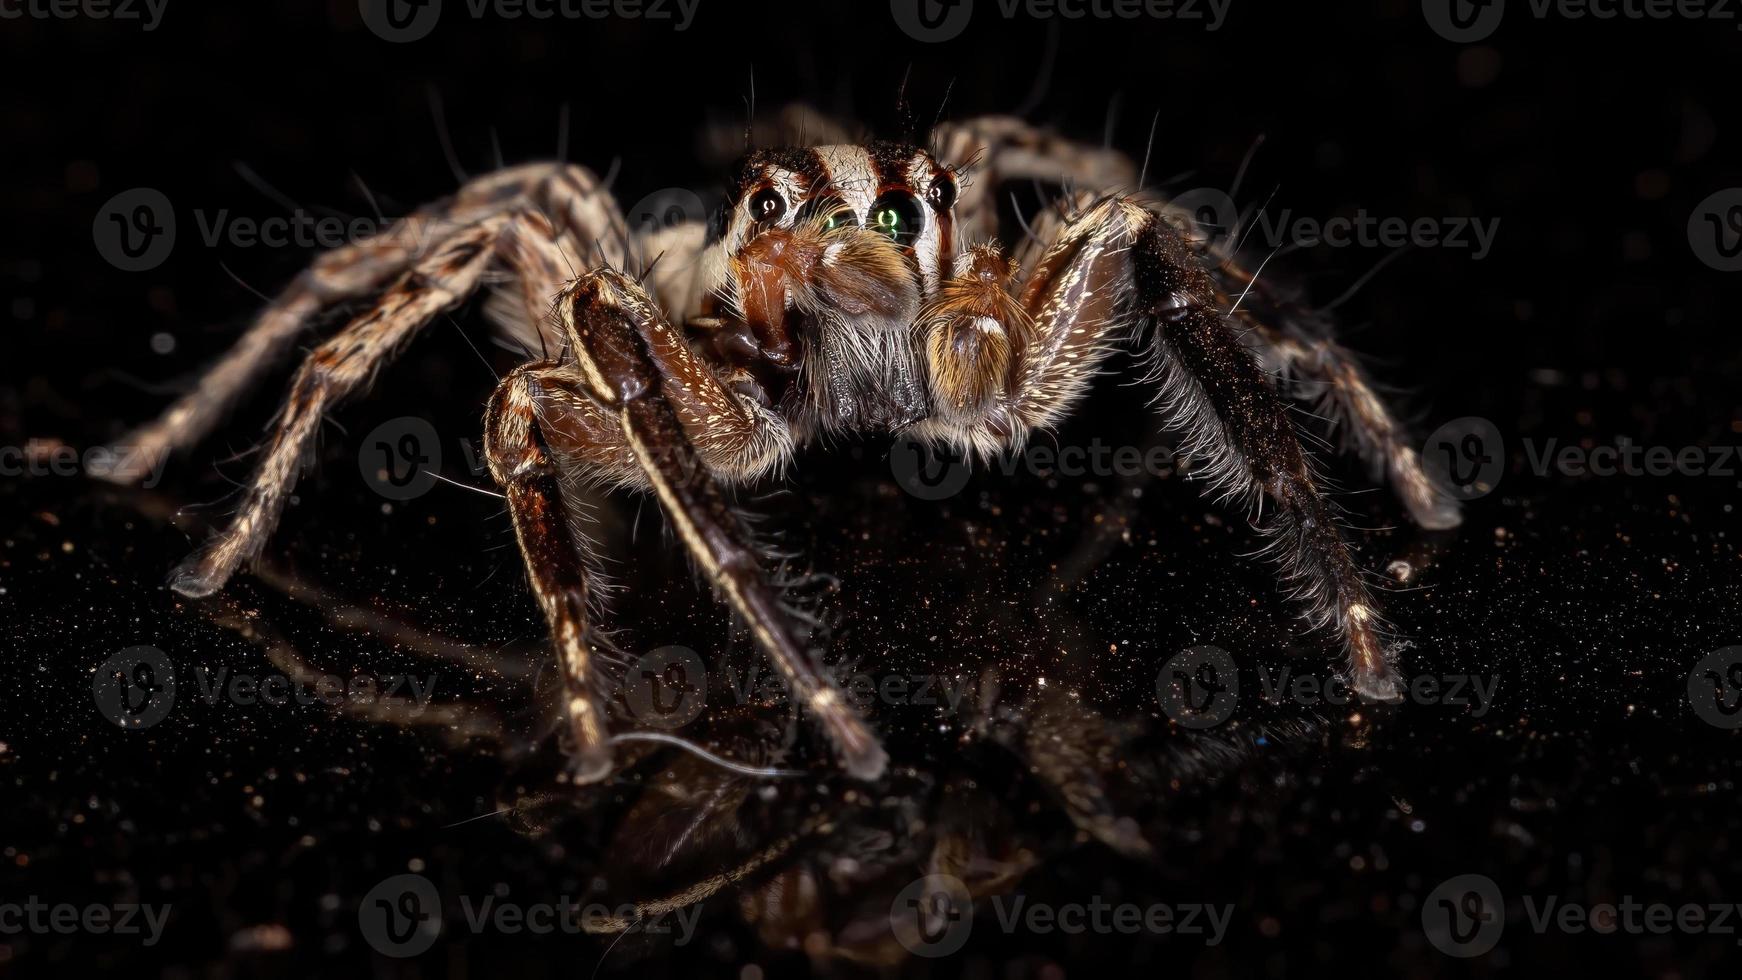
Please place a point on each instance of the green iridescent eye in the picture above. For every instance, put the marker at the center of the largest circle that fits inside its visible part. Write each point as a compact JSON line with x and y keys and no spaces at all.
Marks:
{"x":830,"y":210}
{"x":898,"y":215}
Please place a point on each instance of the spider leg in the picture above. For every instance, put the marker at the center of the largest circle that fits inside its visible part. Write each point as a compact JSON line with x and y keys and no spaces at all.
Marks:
{"x":632,"y":373}
{"x":1118,"y":266}
{"x":1294,"y":341}
{"x":1322,"y":372}
{"x":525,"y":464}
{"x":438,"y":282}
{"x":355,"y":271}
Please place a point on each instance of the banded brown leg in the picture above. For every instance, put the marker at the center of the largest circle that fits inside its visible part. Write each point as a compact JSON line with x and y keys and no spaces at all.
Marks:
{"x":629,"y":408}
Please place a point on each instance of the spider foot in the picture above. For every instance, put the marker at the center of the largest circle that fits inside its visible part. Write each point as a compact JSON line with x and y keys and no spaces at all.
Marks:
{"x":866,"y":763}
{"x":192,"y":578}
{"x":590,"y":765}
{"x":1383,"y":685}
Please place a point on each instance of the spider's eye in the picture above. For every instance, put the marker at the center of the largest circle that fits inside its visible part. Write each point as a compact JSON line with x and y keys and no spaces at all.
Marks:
{"x":942,"y":194}
{"x":897,"y":215}
{"x":767,"y":205}
{"x":835,"y":214}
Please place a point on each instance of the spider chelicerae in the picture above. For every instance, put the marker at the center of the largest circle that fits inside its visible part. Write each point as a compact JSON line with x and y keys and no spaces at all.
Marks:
{"x":847,"y":288}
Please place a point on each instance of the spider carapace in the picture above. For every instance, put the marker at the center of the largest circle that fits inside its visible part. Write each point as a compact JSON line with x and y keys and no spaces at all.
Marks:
{"x":843,"y":288}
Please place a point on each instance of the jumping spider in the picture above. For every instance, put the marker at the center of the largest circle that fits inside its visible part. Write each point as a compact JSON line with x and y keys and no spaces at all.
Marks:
{"x":843,"y":289}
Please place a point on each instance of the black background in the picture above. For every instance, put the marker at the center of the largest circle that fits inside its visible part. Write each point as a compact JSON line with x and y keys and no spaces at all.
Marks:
{"x":1592,"y":142}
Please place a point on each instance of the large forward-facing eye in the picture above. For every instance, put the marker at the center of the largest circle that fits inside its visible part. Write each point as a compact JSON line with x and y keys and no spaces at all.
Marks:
{"x":898,"y":215}
{"x":832,"y":210}
{"x":766,"y":206}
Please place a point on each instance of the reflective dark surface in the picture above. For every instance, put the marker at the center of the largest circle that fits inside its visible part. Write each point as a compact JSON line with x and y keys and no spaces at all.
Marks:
{"x":1049,"y":603}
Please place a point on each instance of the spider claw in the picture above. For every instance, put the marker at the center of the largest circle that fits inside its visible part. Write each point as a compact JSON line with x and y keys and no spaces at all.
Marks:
{"x":590,"y":765}
{"x":1441,"y":514}
{"x":1383,"y":686}
{"x":189,"y":579}
{"x":866,"y":763}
